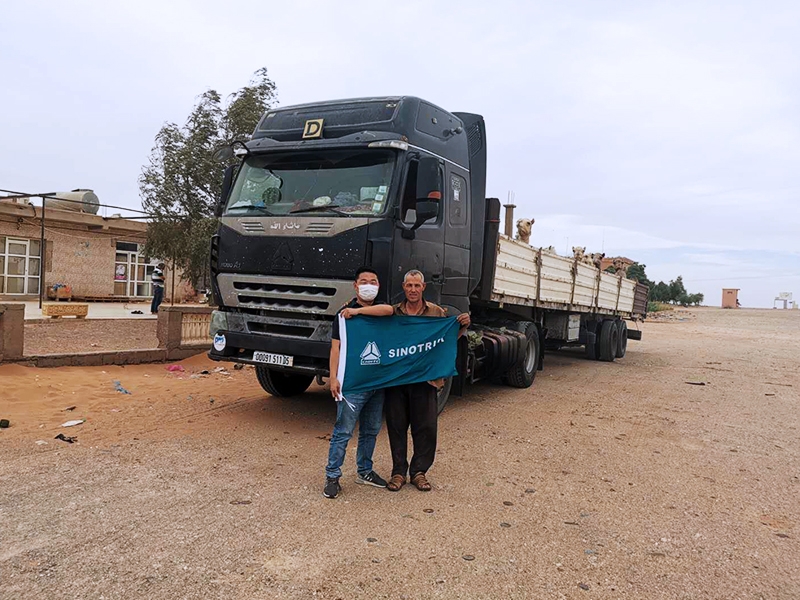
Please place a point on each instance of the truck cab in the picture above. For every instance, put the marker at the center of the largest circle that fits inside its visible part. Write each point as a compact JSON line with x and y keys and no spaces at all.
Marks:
{"x":321,"y":189}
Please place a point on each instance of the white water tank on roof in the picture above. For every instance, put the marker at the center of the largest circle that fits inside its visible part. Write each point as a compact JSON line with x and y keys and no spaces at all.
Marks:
{"x":76,"y":201}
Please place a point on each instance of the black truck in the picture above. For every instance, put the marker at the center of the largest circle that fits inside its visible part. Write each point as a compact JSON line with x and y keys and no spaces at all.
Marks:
{"x":395,"y":183}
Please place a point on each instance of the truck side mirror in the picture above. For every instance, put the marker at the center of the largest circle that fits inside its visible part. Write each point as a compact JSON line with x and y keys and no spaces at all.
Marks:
{"x":227,"y":182}
{"x":426,"y":210}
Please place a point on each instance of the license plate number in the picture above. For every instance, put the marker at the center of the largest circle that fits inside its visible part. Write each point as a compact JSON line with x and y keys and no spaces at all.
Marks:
{"x":269,"y":358}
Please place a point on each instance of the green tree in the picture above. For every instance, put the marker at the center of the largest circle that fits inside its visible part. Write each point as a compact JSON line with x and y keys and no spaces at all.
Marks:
{"x":694,"y":299}
{"x":677,"y":291}
{"x":660,"y":292}
{"x":181,"y":183}
{"x":636,"y":271}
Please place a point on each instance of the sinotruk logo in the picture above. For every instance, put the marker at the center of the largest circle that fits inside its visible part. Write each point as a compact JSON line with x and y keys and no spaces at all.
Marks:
{"x":371,"y":355}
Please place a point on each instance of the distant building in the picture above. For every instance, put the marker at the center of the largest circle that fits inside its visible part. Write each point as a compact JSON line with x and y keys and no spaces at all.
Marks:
{"x":730,"y":297}
{"x":98,"y":257}
{"x":607,"y":262}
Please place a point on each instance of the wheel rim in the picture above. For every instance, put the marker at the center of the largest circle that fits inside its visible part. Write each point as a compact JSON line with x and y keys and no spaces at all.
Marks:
{"x":530,"y":356}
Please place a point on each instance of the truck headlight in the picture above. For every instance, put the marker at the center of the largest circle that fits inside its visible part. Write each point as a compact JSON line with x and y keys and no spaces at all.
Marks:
{"x":219,"y":322}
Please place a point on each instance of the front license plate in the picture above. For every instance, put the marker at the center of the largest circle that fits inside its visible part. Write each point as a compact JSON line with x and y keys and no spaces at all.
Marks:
{"x":269,"y":358}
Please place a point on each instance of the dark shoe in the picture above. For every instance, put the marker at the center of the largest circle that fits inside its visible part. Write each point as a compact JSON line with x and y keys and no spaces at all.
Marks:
{"x":371,"y":478}
{"x":332,"y":487}
{"x":395,"y":483}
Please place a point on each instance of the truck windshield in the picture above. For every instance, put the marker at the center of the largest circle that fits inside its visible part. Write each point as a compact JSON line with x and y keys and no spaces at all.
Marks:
{"x":343,"y":183}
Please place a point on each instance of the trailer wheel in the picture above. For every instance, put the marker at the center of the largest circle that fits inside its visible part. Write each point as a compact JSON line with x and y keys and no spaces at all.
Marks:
{"x":609,"y":340}
{"x":592,"y":348}
{"x":282,"y":385}
{"x":622,"y":343}
{"x":522,"y":374}
{"x":443,"y":395}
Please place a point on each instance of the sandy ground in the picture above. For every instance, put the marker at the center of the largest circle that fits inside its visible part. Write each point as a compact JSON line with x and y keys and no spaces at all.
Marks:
{"x":602,"y":481}
{"x":64,"y":336}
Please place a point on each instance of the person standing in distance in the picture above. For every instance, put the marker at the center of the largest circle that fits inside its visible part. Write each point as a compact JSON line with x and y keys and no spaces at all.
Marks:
{"x":415,"y":404}
{"x":158,"y":287}
{"x":366,"y":408}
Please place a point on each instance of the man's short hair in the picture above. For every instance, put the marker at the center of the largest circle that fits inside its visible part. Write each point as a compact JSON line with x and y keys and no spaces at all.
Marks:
{"x":365,"y":270}
{"x":414,"y":273}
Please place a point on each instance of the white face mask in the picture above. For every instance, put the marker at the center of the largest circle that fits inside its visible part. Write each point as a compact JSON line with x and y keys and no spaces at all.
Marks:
{"x":367,"y":291}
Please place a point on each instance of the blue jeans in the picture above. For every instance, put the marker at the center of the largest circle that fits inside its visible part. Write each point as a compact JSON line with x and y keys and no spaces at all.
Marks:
{"x":158,"y":295}
{"x":368,"y":412}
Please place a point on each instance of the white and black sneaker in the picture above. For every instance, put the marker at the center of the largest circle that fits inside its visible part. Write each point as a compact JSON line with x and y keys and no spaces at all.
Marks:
{"x":371,"y":478}
{"x":332,"y":487}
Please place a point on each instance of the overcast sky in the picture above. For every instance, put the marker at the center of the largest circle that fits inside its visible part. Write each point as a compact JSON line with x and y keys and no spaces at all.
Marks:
{"x":667,"y":132}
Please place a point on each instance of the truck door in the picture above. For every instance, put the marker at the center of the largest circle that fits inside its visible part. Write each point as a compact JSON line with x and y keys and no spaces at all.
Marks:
{"x":457,"y":234}
{"x":425,"y":251}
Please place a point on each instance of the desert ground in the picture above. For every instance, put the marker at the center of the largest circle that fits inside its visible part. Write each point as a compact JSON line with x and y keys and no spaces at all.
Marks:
{"x":671,"y":473}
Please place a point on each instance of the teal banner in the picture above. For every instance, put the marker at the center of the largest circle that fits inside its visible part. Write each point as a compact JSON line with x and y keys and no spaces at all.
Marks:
{"x":381,"y":352}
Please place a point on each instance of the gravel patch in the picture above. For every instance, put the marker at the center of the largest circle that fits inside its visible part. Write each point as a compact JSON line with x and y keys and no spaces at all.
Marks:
{"x":89,"y":335}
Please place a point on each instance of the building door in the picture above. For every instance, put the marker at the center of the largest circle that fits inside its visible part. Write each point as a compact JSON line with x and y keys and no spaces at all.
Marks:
{"x":132,"y":273}
{"x":20,"y":265}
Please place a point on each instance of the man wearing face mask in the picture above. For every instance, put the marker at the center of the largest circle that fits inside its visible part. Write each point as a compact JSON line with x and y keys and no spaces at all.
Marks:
{"x":365,"y":408}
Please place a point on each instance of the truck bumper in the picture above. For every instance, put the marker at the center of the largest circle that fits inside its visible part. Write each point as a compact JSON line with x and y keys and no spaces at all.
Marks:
{"x":244,"y":334}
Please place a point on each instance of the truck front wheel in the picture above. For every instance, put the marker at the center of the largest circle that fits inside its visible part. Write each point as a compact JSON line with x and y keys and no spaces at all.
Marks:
{"x":523,"y":373}
{"x":282,"y":385}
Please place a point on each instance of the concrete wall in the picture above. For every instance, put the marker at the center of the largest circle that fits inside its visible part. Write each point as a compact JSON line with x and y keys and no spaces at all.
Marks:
{"x":177,"y":334}
{"x":12,"y":331}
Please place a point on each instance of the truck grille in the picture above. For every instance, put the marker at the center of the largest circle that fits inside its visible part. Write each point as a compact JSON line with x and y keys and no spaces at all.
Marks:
{"x":275,"y":293}
{"x":276,"y":288}
{"x":318,"y":228}
{"x":253,"y":226}
{"x":282,"y":304}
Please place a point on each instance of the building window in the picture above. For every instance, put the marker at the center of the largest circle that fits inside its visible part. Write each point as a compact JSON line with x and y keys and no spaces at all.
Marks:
{"x":20,"y":266}
{"x":132,"y":273}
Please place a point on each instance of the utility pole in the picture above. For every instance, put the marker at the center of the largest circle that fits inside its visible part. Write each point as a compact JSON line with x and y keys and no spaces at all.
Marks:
{"x":42,"y":257}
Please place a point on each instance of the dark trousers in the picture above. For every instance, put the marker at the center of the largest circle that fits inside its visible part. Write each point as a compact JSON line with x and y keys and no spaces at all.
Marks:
{"x":413,"y":405}
{"x":158,"y":296}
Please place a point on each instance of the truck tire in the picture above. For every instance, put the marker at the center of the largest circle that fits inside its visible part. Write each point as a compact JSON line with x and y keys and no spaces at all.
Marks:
{"x":443,"y":395}
{"x":282,"y":385}
{"x":609,"y":340}
{"x":622,"y":343}
{"x":523,"y":373}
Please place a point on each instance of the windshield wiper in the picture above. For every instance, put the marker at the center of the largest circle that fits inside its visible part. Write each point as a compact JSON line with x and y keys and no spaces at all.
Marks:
{"x":248,"y":207}
{"x":330,"y":207}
